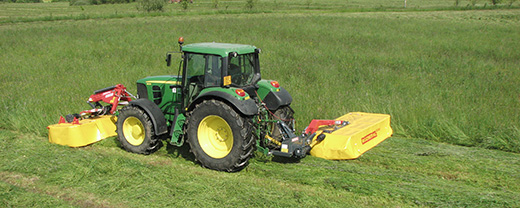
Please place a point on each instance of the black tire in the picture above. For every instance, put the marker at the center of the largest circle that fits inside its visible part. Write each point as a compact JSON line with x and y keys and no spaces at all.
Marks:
{"x":286,"y":114}
{"x":218,"y":152}
{"x":70,"y":117}
{"x":135,"y":131}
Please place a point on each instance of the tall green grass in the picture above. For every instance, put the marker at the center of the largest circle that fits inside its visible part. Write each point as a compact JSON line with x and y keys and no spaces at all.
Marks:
{"x":443,"y":76}
{"x":446,"y":80}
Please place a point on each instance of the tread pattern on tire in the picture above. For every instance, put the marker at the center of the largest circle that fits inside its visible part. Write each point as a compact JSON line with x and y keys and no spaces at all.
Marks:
{"x":237,"y":159}
{"x":151,"y":142}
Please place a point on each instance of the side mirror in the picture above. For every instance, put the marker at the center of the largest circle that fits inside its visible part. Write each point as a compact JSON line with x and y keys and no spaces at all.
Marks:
{"x":168,"y":59}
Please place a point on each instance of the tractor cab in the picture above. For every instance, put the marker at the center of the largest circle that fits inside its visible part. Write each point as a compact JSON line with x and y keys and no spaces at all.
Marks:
{"x":218,"y":65}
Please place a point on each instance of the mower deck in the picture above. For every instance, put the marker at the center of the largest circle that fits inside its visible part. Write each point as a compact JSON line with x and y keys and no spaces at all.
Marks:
{"x":83,"y":132}
{"x":364,"y":132}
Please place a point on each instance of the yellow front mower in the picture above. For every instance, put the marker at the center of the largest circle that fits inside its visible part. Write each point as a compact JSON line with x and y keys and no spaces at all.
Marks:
{"x":89,"y":126}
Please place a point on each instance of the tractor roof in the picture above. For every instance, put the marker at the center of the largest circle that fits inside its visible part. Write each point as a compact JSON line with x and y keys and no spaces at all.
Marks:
{"x":221,"y":49}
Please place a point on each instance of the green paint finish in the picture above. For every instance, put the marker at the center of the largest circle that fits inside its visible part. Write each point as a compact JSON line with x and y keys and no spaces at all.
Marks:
{"x":221,"y":49}
{"x":160,"y":92}
{"x":264,"y":87}
{"x":177,"y":138}
{"x":165,"y":79}
{"x":230,"y":90}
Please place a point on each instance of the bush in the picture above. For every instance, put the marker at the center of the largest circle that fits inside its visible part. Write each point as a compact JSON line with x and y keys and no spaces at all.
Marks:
{"x":150,"y":5}
{"x":111,"y":1}
{"x":26,"y":1}
{"x":250,"y":4}
{"x":97,"y":2}
{"x":184,"y":4}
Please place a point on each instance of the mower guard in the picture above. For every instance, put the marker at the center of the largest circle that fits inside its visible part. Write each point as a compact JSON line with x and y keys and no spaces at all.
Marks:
{"x":364,"y":131}
{"x":83,"y":132}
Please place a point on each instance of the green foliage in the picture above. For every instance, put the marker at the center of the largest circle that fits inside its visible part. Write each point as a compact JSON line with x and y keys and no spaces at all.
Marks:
{"x":24,"y":1}
{"x":80,"y":2}
{"x":184,"y":4}
{"x":151,"y":5}
{"x":97,"y":2}
{"x":250,"y":4}
{"x":495,"y":2}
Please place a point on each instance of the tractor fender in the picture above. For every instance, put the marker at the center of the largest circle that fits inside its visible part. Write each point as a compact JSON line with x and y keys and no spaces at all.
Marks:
{"x":273,"y":100}
{"x":247,"y":107}
{"x":155,"y":114}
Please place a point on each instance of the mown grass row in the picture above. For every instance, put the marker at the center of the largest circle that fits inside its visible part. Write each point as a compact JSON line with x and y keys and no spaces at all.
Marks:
{"x":443,"y":76}
{"x":399,"y":172}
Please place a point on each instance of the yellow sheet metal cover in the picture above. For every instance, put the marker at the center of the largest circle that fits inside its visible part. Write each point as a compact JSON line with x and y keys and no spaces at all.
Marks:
{"x":86,"y":132}
{"x":364,"y":132}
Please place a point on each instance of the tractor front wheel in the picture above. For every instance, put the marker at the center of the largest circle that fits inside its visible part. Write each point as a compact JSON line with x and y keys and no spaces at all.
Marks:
{"x":219,"y":137}
{"x":135,"y":131}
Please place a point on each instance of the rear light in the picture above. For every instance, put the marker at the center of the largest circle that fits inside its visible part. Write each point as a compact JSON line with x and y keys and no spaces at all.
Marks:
{"x":275,"y":84}
{"x":240,"y":92}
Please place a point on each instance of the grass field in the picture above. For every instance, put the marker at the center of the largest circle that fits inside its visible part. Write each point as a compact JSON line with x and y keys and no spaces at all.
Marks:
{"x":399,"y":172}
{"x":447,"y":76}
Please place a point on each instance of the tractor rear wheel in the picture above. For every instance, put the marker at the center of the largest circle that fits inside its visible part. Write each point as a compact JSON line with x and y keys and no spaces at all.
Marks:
{"x":219,"y":137}
{"x":135,"y":131}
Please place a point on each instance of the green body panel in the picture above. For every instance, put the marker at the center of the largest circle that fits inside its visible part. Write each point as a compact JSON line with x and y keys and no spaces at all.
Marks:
{"x":160,"y":91}
{"x":221,"y":49}
{"x":177,"y":133}
{"x":229,"y":90}
{"x":264,"y":87}
{"x":170,"y":79}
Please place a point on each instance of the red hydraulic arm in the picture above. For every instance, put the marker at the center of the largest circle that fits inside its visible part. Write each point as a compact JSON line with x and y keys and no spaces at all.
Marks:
{"x":315,"y":125}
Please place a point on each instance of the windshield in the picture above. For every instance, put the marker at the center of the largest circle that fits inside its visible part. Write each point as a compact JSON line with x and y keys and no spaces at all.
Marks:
{"x":242,"y":69}
{"x":204,"y":69}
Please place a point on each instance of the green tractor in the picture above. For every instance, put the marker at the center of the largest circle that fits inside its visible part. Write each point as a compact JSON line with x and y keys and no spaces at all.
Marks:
{"x":218,"y":103}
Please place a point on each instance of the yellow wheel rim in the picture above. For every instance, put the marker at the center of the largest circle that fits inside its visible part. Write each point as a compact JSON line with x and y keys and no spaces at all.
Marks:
{"x":133,"y":131}
{"x":215,"y":136}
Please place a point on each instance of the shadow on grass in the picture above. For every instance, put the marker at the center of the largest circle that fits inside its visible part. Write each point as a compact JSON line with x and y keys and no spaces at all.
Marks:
{"x":182,"y":151}
{"x":285,"y":160}
{"x":185,"y":153}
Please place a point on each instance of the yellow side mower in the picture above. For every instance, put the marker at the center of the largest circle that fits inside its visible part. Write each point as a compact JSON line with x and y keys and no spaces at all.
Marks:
{"x":219,"y":104}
